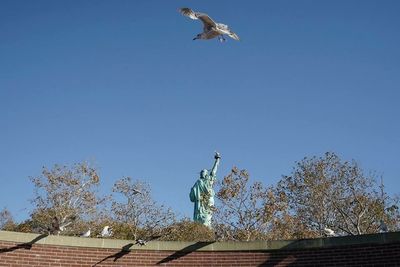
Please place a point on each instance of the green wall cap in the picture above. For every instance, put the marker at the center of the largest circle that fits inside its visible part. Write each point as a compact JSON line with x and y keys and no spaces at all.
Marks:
{"x":29,"y":239}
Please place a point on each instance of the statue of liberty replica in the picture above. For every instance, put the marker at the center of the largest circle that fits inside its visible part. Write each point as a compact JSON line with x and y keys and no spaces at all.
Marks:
{"x":202,"y":194}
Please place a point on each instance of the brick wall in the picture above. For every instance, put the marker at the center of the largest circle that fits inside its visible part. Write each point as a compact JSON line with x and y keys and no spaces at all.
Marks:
{"x":370,"y":250}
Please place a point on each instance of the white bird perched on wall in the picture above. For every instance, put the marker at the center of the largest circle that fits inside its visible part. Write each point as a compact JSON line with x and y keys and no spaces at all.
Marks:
{"x":106,"y":232}
{"x":211,"y":29}
{"x":86,"y":234}
{"x":329,"y":232}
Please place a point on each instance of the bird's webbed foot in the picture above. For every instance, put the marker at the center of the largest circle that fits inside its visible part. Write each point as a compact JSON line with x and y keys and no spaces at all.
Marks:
{"x":221,"y":38}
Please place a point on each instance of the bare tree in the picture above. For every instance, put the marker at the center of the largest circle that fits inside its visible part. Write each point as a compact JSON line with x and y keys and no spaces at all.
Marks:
{"x":244,"y":212}
{"x":140,"y":215}
{"x":328,"y":192}
{"x":188,"y":230}
{"x":63,"y":195}
{"x":6,"y":220}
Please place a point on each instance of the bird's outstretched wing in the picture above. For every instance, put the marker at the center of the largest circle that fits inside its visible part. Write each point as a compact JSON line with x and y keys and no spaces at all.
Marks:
{"x":225,"y":29}
{"x":207,"y":21}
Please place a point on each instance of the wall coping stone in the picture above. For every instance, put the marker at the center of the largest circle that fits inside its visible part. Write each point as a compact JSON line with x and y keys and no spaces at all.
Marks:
{"x":107,"y":243}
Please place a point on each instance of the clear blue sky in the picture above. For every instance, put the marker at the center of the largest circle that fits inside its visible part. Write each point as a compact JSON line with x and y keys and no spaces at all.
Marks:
{"x":122,"y":84}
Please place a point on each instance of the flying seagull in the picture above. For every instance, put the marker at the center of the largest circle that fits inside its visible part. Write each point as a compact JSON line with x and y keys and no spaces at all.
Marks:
{"x":211,"y":29}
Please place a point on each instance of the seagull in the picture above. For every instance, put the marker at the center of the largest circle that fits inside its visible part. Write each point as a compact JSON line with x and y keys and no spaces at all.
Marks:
{"x":211,"y":29}
{"x":106,"y":232}
{"x":329,"y":232}
{"x":86,"y":234}
{"x":141,"y":242}
{"x":383,"y":227}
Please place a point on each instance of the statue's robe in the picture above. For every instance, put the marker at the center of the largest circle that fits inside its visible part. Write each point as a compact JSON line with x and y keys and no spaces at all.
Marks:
{"x":202,"y":212}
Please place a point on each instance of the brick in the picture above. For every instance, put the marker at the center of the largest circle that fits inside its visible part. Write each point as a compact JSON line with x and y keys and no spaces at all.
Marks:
{"x":385,"y":254}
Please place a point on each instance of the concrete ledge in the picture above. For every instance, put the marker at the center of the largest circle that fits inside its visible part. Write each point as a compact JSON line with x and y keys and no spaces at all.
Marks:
{"x":30,"y":239}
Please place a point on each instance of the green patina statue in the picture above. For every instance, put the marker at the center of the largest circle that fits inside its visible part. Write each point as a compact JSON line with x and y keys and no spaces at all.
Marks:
{"x":202,"y":194}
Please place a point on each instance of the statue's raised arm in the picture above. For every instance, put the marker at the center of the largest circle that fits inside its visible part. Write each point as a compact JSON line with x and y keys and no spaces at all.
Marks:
{"x":217,"y":158}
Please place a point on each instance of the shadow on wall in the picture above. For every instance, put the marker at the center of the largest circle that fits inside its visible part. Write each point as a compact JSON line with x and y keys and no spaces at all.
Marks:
{"x":183,"y":252}
{"x":327,"y":249}
{"x":280,"y":259}
{"x":27,"y":245}
{"x":124,"y":251}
